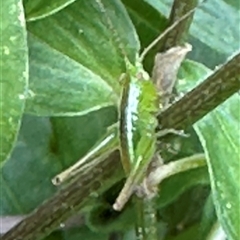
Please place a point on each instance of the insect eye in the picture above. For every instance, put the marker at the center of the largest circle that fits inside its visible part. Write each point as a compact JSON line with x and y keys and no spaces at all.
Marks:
{"x":142,"y":76}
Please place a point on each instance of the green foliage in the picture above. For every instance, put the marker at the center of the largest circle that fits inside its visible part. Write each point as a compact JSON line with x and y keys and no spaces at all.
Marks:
{"x":72,"y":61}
{"x":223,"y":153}
{"x":14,"y":73}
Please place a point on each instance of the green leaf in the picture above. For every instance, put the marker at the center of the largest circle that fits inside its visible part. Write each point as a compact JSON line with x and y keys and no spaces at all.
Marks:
{"x":25,"y":178}
{"x":190,"y":74}
{"x":79,"y":35}
{"x":61,"y":86}
{"x":38,"y":9}
{"x":208,"y":219}
{"x":173,"y":187}
{"x":14,"y":73}
{"x":219,"y":134}
{"x":147,"y":20}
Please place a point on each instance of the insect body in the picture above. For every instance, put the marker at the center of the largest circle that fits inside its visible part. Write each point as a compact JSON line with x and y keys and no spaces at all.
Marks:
{"x":138,"y":109}
{"x":135,"y":135}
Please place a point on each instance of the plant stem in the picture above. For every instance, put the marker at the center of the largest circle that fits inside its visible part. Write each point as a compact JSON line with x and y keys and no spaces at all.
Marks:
{"x":183,"y":19}
{"x":179,"y":34}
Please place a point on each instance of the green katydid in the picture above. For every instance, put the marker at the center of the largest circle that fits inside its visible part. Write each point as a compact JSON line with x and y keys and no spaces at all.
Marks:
{"x":134,"y":135}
